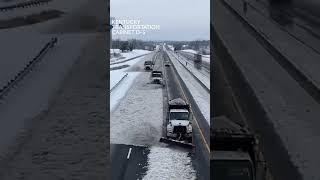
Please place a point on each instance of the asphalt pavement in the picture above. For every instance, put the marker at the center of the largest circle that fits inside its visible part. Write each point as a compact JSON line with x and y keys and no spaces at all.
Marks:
{"x":128,"y":161}
{"x":136,"y":165}
{"x":274,"y":102}
{"x":177,"y":89}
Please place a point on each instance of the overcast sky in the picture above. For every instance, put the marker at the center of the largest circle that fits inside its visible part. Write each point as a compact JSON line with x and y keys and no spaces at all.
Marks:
{"x":178,"y":19}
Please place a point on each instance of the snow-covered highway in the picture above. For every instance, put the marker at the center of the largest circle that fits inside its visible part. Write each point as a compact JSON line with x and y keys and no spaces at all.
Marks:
{"x":138,"y":121}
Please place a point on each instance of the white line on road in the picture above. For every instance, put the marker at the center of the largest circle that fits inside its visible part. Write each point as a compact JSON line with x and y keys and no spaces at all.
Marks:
{"x":128,"y":156}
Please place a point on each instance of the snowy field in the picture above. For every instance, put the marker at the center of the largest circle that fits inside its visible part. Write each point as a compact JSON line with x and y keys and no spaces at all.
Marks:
{"x":134,"y":68}
{"x":206,"y":58}
{"x":120,"y":91}
{"x":190,"y":51}
{"x":200,"y":95}
{"x":126,"y":55}
{"x":54,"y":66}
{"x":34,"y":94}
{"x":16,"y":54}
{"x":165,"y":163}
{"x":116,"y":77}
{"x":139,"y":117}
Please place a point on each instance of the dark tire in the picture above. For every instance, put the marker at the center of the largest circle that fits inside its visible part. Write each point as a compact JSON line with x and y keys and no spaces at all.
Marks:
{"x":189,"y":140}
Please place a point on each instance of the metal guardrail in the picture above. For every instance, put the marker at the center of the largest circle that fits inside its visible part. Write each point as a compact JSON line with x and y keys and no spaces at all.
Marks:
{"x":24,"y":5}
{"x":195,"y":77}
{"x":119,"y":82}
{"x":202,"y":124}
{"x":206,"y":68}
{"x":129,"y":59}
{"x":27,"y":69}
{"x":302,"y":78}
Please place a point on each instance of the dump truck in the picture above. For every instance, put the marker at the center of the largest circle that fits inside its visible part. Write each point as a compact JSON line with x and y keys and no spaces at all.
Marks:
{"x":178,"y":123}
{"x":148,"y":65}
{"x":234,"y":152}
{"x":157,"y":77}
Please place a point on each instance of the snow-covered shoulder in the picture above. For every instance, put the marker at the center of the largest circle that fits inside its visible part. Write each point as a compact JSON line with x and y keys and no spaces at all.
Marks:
{"x":117,"y":55}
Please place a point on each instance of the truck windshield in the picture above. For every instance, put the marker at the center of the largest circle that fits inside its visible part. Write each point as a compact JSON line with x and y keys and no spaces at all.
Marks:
{"x":179,"y":116}
{"x":231,"y":170}
{"x":156,"y":75}
{"x":148,"y":63}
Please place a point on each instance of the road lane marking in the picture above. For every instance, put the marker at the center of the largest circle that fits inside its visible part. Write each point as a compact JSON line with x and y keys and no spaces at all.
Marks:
{"x":202,"y":136}
{"x":128,"y":156}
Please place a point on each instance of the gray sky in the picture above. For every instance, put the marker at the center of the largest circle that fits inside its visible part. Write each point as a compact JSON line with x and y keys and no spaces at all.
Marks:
{"x":178,"y":19}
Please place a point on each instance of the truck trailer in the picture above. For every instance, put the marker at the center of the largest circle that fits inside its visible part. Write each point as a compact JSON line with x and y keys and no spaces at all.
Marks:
{"x":234,"y":152}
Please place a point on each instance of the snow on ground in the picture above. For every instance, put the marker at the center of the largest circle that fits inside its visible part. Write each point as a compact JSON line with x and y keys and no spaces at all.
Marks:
{"x":115,"y":55}
{"x":138,"y":120}
{"x":131,"y":62}
{"x":200,"y":95}
{"x":171,"y":47}
{"x":204,"y":77}
{"x":205,"y":58}
{"x":133,"y":69}
{"x":131,"y":101}
{"x":116,"y":77}
{"x":17,"y":52}
{"x":21,"y":12}
{"x":190,"y":51}
{"x":127,"y":55}
{"x":117,"y":51}
{"x":54,"y":66}
{"x":119,"y":92}
{"x":165,"y":163}
{"x":139,"y":117}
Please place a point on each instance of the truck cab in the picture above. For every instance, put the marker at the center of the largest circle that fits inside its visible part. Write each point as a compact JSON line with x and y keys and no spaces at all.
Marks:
{"x":179,"y":125}
{"x":148,"y":65}
{"x":197,"y":58}
{"x":156,"y":77}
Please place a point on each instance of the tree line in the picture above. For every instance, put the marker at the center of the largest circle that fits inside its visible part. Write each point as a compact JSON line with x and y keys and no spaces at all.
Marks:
{"x":129,"y":45}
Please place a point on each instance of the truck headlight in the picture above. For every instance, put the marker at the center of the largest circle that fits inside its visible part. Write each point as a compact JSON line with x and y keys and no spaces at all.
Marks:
{"x":189,"y":129}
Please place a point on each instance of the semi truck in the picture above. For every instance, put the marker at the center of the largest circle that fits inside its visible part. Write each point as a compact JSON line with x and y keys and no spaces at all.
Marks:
{"x":157,"y":77}
{"x":148,"y":65}
{"x":197,"y":58}
{"x":234,"y":152}
{"x":178,"y":123}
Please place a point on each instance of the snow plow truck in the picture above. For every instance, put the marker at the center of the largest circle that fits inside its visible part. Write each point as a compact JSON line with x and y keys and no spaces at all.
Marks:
{"x":179,"y":126}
